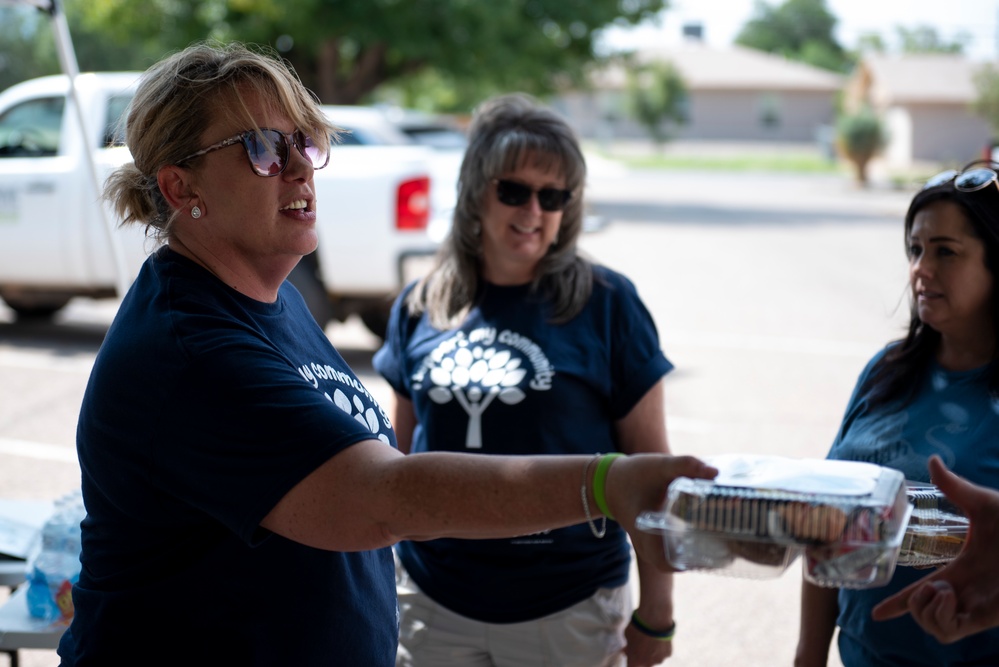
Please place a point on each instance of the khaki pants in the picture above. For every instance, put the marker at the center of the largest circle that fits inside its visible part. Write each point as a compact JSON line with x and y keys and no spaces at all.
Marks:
{"x":588,"y":634}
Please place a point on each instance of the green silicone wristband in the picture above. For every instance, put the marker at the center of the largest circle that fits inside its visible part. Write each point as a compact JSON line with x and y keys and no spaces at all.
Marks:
{"x":600,"y":483}
{"x":663,"y":636}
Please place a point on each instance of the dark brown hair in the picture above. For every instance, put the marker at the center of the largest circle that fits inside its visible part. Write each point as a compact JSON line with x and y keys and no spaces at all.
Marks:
{"x":901,"y":372}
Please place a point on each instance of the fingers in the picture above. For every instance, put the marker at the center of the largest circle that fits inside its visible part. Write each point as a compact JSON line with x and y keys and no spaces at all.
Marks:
{"x":689,"y":466}
{"x":649,"y":546}
{"x":894,"y":606}
{"x":940,"y":610}
{"x":934,"y":607}
{"x":899,"y":604}
{"x":961,"y":492}
{"x":637,"y":483}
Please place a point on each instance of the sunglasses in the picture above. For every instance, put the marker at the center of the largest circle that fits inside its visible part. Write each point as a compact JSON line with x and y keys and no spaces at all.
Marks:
{"x":512,"y":193}
{"x":269,"y":150}
{"x":970,"y":180}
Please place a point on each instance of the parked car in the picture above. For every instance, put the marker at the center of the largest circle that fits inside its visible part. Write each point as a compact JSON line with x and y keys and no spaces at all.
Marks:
{"x":378,"y":126}
{"x":426,"y":129}
{"x":57,"y":241}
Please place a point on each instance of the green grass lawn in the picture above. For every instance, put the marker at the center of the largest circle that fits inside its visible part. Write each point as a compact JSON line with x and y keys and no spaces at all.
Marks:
{"x":741,"y":162}
{"x":748,"y":159}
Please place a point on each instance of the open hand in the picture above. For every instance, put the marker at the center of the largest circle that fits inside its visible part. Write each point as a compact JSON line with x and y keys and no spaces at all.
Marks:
{"x":961,"y":598}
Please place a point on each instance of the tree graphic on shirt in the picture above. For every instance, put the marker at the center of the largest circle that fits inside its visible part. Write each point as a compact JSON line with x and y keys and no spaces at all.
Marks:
{"x":366,"y":415}
{"x":474,"y":377}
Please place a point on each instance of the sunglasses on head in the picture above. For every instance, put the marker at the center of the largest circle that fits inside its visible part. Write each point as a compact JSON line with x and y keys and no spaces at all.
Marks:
{"x":270,"y":150}
{"x":512,"y":193}
{"x":966,"y":180}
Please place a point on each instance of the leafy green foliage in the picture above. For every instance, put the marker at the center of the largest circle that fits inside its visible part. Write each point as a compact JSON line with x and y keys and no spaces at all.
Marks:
{"x":986,"y":103}
{"x":658,"y":98}
{"x":345,"y":49}
{"x":860,"y":136}
{"x":925,"y":39}
{"x":26,"y":46}
{"x":799,"y":30}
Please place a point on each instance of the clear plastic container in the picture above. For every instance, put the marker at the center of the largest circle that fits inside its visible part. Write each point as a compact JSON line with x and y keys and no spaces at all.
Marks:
{"x":763,"y":512}
{"x":937,"y":528}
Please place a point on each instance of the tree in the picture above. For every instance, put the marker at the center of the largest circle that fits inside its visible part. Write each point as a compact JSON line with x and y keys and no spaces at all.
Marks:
{"x":27,"y":46}
{"x":860,"y":136}
{"x":345,"y":49}
{"x":658,"y":98}
{"x":799,"y":30}
{"x":871,"y":42}
{"x":986,"y":103}
{"x":925,"y":39}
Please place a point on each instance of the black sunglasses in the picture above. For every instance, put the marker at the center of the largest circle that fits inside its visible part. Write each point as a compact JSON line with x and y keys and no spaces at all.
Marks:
{"x":512,"y":193}
{"x":269,"y":150}
{"x":966,"y":180}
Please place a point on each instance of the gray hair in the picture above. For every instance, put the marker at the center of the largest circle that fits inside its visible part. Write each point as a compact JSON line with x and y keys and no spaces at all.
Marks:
{"x":507,"y":131}
{"x":181,"y":95}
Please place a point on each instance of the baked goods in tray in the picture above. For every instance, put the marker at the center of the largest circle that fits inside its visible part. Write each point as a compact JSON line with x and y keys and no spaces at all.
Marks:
{"x":774,"y":515}
{"x":932,"y":545}
{"x":762,"y":512}
{"x":808,"y":522}
{"x":937,"y":528}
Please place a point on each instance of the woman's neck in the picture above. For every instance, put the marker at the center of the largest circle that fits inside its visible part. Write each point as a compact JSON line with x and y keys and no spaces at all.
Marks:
{"x":244,"y":282}
{"x":967,"y":352}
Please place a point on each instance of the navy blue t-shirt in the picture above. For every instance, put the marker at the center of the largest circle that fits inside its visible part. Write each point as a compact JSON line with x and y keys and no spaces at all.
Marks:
{"x":204,"y":408}
{"x":508,"y":381}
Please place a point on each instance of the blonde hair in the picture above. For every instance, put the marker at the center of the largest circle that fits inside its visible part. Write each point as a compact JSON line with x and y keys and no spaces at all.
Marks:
{"x":506,"y":132}
{"x":181,"y":95}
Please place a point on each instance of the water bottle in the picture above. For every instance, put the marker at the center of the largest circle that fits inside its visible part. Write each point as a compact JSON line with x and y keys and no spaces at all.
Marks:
{"x":54,"y":567}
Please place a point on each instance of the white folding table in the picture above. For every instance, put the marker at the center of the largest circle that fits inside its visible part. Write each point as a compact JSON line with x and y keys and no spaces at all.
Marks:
{"x":20,"y":524}
{"x":20,"y":630}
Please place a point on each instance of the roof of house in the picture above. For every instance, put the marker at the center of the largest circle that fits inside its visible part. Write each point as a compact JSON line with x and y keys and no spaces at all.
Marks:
{"x":734,"y":68}
{"x":926,"y":78}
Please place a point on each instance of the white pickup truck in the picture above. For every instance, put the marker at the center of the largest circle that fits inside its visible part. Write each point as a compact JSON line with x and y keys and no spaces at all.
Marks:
{"x":56,"y":243}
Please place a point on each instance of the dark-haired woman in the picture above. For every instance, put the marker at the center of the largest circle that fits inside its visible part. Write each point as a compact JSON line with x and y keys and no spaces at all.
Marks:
{"x":934,"y":392}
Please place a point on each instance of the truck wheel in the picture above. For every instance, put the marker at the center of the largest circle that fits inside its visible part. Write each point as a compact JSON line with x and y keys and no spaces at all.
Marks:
{"x":29,"y":307}
{"x":376,"y":319}
{"x":305,"y":278}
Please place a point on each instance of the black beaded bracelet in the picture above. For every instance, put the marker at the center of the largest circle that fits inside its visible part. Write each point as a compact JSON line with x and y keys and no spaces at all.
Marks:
{"x":664,"y":636}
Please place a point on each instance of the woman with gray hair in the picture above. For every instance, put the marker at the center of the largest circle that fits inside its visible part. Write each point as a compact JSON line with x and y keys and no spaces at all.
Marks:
{"x":515,"y":344}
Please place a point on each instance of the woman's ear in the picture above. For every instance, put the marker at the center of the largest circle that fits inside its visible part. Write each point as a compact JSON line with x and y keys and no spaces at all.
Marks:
{"x":175,"y":184}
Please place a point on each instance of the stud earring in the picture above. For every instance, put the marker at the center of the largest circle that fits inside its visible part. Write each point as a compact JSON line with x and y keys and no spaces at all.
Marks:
{"x":195,"y":212}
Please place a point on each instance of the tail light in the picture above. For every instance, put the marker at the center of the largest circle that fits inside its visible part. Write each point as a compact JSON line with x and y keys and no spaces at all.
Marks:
{"x":412,"y":208}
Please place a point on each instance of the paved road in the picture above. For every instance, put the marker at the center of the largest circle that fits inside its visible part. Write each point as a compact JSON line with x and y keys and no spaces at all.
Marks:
{"x":770,"y":293}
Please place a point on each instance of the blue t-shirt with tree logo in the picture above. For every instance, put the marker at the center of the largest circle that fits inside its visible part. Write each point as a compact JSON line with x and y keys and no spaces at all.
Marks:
{"x":508,"y":381}
{"x":204,"y":408}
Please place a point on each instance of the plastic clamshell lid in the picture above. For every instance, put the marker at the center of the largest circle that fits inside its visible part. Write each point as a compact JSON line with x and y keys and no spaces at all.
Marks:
{"x":937,"y":529}
{"x":762,"y":512}
{"x":805,"y":476}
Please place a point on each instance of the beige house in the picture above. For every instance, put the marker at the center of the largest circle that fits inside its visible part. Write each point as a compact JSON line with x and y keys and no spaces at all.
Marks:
{"x":924,"y":100}
{"x":733,"y":94}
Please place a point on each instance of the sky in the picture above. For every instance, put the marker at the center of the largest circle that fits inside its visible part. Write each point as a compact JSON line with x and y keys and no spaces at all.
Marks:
{"x":723,"y":19}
